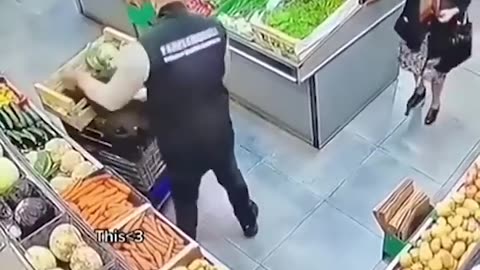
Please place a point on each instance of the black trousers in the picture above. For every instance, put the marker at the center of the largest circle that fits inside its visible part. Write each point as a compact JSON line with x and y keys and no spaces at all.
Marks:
{"x":186,"y":169}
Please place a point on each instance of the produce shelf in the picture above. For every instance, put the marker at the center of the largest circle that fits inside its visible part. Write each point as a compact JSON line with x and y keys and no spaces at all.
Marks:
{"x":431,"y":222}
{"x":164,"y":244}
{"x":27,"y":213}
{"x":42,"y":238}
{"x":113,"y":199}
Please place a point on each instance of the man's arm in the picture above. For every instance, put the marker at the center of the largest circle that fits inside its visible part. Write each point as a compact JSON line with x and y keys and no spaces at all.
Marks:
{"x":133,"y":67}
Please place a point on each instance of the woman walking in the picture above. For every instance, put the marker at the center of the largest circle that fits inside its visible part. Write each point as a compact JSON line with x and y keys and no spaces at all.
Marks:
{"x":431,"y":46}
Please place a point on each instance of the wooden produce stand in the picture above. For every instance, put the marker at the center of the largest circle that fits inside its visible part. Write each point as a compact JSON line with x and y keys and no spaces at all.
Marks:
{"x":430,"y":226}
{"x":101,"y":182}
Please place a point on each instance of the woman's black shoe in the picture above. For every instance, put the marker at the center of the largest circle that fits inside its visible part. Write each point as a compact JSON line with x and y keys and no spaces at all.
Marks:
{"x":414,"y":100}
{"x":431,"y":116}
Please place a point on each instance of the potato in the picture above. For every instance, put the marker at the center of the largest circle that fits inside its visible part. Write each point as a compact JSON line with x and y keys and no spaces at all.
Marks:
{"x":447,"y":243}
{"x":417,"y":266}
{"x":438,"y":230}
{"x":458,"y":197}
{"x":435,"y":264}
{"x":477,"y":196}
{"x":435,"y":245}
{"x":472,"y":225}
{"x":477,"y":215}
{"x":458,"y":249}
{"x":427,"y":236}
{"x":442,"y":221}
{"x":477,"y":183}
{"x":425,"y":253}
{"x":463,"y":212}
{"x":446,"y":258}
{"x":414,"y":254}
{"x":476,"y":236}
{"x":470,"y":191}
{"x":471,"y":205}
{"x":455,"y":221}
{"x":406,"y":260}
{"x":443,"y":209}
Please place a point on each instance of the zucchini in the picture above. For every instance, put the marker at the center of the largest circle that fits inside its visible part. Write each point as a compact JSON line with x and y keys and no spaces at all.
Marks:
{"x":33,"y":114}
{"x":5,"y":119}
{"x":13,"y":117}
{"x":47,"y":129}
{"x":28,"y":140}
{"x":18,"y":112}
{"x":32,"y":137}
{"x":39,"y":134}
{"x":28,"y":119}
{"x":15,"y":139}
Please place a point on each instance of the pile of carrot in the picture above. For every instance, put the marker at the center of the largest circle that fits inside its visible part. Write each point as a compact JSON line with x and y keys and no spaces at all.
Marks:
{"x":101,"y":200}
{"x":161,"y":243}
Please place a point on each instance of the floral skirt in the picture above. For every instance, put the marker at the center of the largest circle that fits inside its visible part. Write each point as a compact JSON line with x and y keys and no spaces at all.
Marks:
{"x":418,"y":62}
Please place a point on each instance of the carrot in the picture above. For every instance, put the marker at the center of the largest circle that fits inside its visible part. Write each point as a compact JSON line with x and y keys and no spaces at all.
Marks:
{"x":128,"y":227}
{"x":132,"y":263}
{"x":120,"y":186}
{"x":83,"y":189}
{"x":170,"y":231}
{"x":148,"y":228}
{"x":149,"y":247}
{"x":145,"y":251}
{"x":168,"y":254}
{"x":67,"y":193}
{"x":162,"y":247}
{"x":102,"y":196}
{"x":143,"y":263}
{"x":136,"y":224}
{"x":158,"y":258}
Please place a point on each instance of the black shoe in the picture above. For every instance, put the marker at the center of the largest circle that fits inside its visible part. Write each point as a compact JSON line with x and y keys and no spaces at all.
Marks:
{"x":414,"y":100}
{"x":251,"y":230}
{"x":431,"y":116}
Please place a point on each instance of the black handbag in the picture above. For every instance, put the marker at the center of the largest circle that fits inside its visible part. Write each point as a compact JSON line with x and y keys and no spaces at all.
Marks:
{"x":456,"y":48}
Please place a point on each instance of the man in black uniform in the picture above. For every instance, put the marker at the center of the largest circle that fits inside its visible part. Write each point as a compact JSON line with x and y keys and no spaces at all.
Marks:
{"x":181,"y":62}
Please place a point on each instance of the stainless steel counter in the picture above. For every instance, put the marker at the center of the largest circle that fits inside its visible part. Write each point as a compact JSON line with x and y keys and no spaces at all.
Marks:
{"x":317,"y":97}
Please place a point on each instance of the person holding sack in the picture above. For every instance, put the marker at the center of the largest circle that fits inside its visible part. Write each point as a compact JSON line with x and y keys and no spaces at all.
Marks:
{"x":436,"y":36}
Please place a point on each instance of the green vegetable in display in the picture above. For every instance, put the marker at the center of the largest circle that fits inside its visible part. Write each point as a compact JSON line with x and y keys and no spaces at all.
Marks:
{"x":241,"y":8}
{"x":101,"y":59}
{"x":299,"y":18}
{"x":9,"y":175}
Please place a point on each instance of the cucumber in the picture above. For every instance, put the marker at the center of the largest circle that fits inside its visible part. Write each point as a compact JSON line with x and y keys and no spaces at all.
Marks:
{"x":2,"y":126}
{"x":18,"y":112}
{"x":32,"y":137}
{"x":15,"y":139}
{"x":41,"y":135}
{"x":28,"y":119}
{"x":47,"y":129}
{"x":5,"y":119}
{"x":13,"y":117}
{"x":32,"y":114}
{"x":28,"y":140}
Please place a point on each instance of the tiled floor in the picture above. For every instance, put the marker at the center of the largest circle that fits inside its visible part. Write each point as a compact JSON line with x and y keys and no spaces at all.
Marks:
{"x":315,"y":205}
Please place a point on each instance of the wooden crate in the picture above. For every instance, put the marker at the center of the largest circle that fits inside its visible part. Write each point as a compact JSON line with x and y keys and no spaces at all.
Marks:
{"x":76,"y":114}
{"x":296,"y":49}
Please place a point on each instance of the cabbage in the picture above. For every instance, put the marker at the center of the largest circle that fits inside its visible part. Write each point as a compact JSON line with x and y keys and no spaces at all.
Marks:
{"x":9,"y":175}
{"x":41,"y":258}
{"x":32,"y":157}
{"x":61,"y":183}
{"x":57,"y":147}
{"x":69,"y":160}
{"x":65,"y":238}
{"x":32,"y":213}
{"x":85,"y":258}
{"x":82,"y":170}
